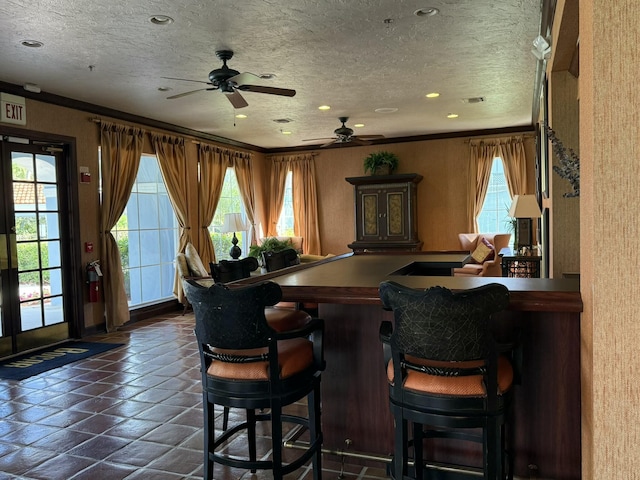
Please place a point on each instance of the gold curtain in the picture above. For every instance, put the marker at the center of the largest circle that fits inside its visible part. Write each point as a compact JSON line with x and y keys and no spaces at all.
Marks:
{"x":121,"y":148}
{"x":213,"y":166}
{"x":512,"y":152}
{"x":172,"y":159}
{"x":514,"y":159}
{"x":480,"y":161}
{"x":279,"y":170}
{"x":305,"y":201}
{"x":244,"y":175}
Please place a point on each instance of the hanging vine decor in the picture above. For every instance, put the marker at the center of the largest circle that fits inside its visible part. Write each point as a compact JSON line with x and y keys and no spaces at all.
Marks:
{"x":569,"y":167}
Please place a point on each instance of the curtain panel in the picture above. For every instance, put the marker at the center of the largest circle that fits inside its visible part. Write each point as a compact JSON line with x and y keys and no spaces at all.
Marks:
{"x":121,"y":148}
{"x":305,"y":198}
{"x":482,"y":152}
{"x":244,"y":175}
{"x":172,"y":161}
{"x":214,"y":162}
{"x":279,"y":170}
{"x":514,"y":159}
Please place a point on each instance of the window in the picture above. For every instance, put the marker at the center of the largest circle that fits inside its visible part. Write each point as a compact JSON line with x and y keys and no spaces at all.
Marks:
{"x":285,"y":222}
{"x":494,"y":216}
{"x":147,"y":236}
{"x":230,"y":202}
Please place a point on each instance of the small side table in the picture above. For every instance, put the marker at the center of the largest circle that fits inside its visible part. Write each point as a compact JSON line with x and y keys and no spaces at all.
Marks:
{"x":520,"y":266}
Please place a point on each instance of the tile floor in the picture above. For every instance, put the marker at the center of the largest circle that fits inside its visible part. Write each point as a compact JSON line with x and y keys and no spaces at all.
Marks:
{"x":130,"y":413}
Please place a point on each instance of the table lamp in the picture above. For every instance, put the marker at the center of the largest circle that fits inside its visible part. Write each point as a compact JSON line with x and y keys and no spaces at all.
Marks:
{"x":233,"y":223}
{"x":524,"y":208}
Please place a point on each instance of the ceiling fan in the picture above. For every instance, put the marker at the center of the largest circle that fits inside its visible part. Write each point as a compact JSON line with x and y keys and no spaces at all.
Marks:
{"x":231,"y":82}
{"x":345,"y":134}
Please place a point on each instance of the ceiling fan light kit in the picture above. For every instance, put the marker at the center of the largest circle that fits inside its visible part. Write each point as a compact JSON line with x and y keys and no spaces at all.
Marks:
{"x":231,"y":82}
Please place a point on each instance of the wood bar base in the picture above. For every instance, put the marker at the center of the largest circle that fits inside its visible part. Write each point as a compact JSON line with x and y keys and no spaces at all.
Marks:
{"x":355,"y":405}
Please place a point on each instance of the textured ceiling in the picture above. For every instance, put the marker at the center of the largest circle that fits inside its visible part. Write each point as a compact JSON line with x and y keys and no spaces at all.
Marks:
{"x":336,"y":52}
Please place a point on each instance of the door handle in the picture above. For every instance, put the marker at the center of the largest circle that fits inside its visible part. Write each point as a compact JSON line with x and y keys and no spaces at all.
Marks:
{"x":4,"y":251}
{"x":4,"y":257}
{"x":13,"y":249}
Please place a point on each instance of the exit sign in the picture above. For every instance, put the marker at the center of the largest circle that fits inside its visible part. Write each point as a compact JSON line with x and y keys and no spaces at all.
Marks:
{"x":13,"y":109}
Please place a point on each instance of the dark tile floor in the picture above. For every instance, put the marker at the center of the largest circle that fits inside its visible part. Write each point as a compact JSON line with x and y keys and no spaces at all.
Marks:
{"x":133,"y":412}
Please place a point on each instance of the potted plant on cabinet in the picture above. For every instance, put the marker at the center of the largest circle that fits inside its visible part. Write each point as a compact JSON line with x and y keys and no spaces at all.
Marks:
{"x":381,"y":163}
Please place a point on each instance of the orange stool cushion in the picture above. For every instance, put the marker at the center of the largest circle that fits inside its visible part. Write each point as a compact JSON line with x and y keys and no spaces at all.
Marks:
{"x":464,"y":386}
{"x":285,"y":319}
{"x":294,"y":356}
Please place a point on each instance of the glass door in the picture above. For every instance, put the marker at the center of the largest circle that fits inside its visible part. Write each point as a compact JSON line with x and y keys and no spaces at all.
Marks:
{"x":32,"y":242}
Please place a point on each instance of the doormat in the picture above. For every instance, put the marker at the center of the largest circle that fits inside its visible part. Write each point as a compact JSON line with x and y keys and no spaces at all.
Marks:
{"x":33,"y":363}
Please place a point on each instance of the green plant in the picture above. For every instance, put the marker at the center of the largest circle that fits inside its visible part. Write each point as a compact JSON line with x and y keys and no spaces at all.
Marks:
{"x":377,"y":159}
{"x":271,"y":244}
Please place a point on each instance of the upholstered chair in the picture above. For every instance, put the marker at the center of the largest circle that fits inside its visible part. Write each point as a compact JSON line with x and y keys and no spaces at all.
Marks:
{"x":231,"y":270}
{"x":190,"y":267}
{"x":273,"y":261}
{"x":484,"y":249}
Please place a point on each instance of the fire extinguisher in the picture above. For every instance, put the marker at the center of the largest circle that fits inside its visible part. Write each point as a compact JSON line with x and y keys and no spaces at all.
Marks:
{"x":93,"y":280}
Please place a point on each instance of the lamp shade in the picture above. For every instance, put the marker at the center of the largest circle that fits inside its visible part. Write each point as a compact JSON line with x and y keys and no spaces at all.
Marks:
{"x":233,"y":223}
{"x":524,"y":206}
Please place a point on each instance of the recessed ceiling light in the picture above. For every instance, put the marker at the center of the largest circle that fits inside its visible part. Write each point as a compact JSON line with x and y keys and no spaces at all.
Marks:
{"x":164,"y":89}
{"x":161,"y":20}
{"x":426,"y":12}
{"x":241,"y":115}
{"x":359,"y":125}
{"x":432,"y":95}
{"x":324,"y":107}
{"x":286,"y":132}
{"x":452,"y":115}
{"x":267,"y":76}
{"x":31,"y":43}
{"x":386,"y":110}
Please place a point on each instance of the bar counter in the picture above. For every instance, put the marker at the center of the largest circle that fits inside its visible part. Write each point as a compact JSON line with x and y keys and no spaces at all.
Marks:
{"x":545,"y":312}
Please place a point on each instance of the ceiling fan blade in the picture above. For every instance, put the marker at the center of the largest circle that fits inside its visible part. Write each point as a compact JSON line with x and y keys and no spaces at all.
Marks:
{"x":243,"y":78}
{"x":179,"y":95}
{"x":358,"y":141}
{"x":327,"y":144}
{"x":285,"y":92}
{"x":236,"y":99}
{"x":316,"y":139}
{"x":368,"y":137}
{"x":187,"y":80}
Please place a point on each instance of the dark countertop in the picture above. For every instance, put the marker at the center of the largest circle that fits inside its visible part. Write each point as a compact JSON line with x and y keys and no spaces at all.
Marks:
{"x":354,"y":279}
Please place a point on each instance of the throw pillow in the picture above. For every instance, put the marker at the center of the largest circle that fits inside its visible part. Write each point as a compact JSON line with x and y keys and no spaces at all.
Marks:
{"x":482,"y":253}
{"x":196,"y":267}
{"x":493,"y":249}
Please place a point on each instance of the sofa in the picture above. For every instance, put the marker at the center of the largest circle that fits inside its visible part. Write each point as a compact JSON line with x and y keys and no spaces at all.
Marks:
{"x":484,"y":248}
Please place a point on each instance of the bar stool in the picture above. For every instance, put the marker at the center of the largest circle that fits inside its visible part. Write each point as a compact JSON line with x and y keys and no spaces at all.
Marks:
{"x":446,"y":375}
{"x":278,"y":318}
{"x":247,"y":364}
